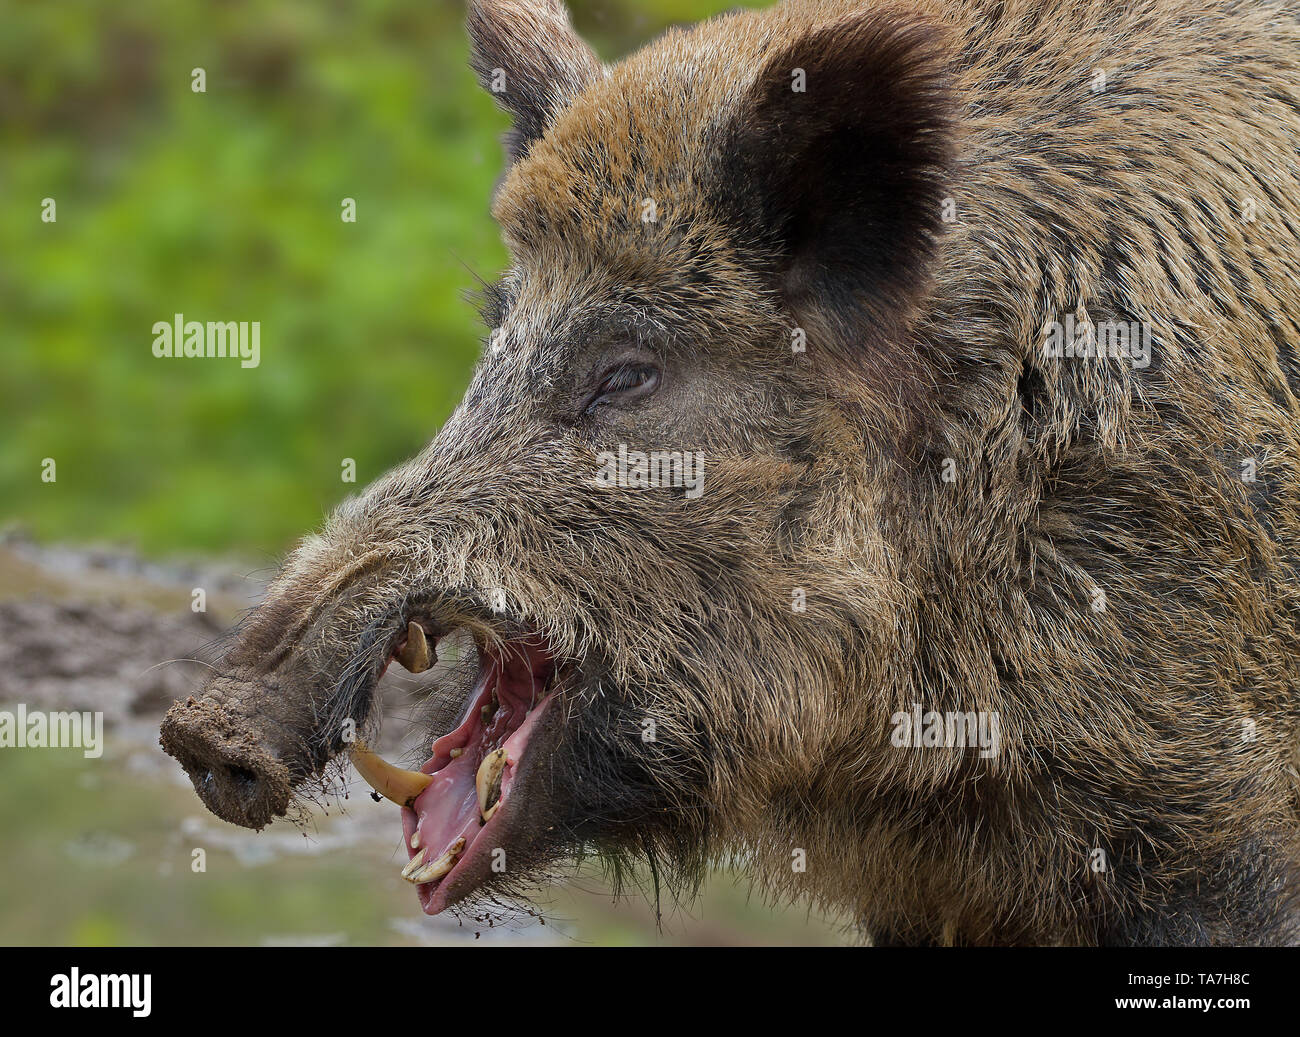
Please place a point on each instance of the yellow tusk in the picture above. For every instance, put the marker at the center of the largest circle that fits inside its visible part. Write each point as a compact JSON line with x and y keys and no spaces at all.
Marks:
{"x":402,"y":787}
{"x":415,"y":654}
{"x":487,"y":782}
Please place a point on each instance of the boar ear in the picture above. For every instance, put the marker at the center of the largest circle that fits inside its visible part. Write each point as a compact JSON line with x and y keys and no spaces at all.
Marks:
{"x":836,"y":160}
{"x":527,"y":55}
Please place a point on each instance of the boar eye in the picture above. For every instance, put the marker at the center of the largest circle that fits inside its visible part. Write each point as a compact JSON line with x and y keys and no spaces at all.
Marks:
{"x":625,"y":381}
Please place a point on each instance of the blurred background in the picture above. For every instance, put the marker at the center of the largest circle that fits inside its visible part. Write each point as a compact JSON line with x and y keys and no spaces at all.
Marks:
{"x":175,"y":474}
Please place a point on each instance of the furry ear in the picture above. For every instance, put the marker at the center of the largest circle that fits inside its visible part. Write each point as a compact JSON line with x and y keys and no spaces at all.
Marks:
{"x":528,"y":57}
{"x":835,"y":164}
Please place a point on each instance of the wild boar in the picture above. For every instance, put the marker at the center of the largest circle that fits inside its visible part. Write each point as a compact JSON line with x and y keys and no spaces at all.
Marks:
{"x":949,"y":576}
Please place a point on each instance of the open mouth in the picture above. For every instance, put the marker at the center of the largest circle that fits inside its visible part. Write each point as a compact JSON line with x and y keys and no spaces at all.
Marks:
{"x":456,"y":804}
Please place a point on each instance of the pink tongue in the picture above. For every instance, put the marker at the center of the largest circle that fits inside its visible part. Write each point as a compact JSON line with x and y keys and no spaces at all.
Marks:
{"x":448,"y":808}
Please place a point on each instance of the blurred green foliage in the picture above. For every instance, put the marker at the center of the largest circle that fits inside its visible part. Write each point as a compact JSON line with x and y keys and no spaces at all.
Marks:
{"x":225,"y":205}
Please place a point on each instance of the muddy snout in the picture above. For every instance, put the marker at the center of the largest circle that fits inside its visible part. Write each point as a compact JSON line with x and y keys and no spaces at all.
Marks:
{"x":241,"y":775}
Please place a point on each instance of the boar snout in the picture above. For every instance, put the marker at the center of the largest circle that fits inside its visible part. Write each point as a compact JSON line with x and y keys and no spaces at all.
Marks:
{"x":239,"y":777}
{"x":294,"y":686}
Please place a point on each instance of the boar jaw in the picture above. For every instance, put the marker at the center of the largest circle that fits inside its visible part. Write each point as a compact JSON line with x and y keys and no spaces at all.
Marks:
{"x":449,"y":824}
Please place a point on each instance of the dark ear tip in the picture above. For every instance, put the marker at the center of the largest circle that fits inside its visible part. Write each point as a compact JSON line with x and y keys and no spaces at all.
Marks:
{"x":836,"y":166}
{"x":865,"y":52}
{"x":872,"y":85}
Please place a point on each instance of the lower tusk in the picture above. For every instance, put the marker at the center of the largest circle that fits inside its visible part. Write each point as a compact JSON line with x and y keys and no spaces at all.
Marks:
{"x":415,"y":654}
{"x":437,"y":869}
{"x":413,"y":865}
{"x":402,"y":787}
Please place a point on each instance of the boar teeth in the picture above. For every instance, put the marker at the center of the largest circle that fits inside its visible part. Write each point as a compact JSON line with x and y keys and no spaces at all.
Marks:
{"x":413,"y":865}
{"x":488,"y":783}
{"x":413,"y":872}
{"x":415,"y":654}
{"x":402,"y":787}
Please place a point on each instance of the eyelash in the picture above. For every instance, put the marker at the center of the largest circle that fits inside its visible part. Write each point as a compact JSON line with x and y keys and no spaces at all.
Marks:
{"x":622,"y":379}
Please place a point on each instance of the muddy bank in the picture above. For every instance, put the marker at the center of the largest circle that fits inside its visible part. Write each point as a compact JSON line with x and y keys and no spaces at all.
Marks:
{"x":93,"y":629}
{"x":100,"y":629}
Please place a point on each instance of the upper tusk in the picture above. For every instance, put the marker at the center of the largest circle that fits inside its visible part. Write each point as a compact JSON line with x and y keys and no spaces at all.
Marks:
{"x":415,"y":654}
{"x":402,"y":787}
{"x":487,"y":782}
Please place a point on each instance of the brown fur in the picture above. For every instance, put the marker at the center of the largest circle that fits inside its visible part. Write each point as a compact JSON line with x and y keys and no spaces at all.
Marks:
{"x":1122,"y":726}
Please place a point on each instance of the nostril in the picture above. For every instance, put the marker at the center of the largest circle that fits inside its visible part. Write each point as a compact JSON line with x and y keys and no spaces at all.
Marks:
{"x":235,"y":791}
{"x":238,"y":778}
{"x":247,"y":784}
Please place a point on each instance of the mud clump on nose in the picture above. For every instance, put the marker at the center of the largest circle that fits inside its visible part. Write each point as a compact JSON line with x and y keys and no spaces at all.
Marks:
{"x":235,"y":775}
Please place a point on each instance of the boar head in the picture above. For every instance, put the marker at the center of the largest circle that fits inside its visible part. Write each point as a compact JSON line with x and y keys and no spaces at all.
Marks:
{"x":667,"y":506}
